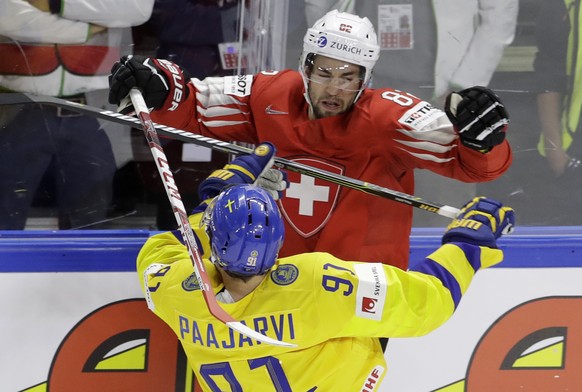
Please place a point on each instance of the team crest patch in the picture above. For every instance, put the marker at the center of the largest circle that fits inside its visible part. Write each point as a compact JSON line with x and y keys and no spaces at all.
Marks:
{"x":309,"y":202}
{"x":285,"y":274}
{"x":191,"y":283}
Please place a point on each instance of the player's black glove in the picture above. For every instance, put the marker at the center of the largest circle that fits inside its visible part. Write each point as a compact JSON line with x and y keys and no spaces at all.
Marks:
{"x":481,"y":222}
{"x":157,"y":79}
{"x":254,"y":168}
{"x":479,"y":117}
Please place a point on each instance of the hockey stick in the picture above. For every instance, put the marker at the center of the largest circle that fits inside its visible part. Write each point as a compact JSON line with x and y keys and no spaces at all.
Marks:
{"x":184,"y":225}
{"x":188,"y":137}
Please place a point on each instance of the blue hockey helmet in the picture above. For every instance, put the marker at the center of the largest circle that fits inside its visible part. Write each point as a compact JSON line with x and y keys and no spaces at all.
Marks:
{"x":246,"y":230}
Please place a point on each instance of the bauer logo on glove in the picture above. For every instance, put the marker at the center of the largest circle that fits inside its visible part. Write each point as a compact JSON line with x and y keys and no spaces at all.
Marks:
{"x":254,"y":168}
{"x":481,"y":222}
{"x":158,"y":80}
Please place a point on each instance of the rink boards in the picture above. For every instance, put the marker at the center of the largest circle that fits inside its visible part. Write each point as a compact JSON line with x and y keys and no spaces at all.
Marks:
{"x":72,"y":314}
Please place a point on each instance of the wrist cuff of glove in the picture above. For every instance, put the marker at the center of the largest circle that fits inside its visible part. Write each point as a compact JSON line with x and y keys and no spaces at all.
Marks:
{"x":221,"y":178}
{"x":483,"y":146}
{"x":177,"y":79}
{"x":475,"y":146}
{"x":462,"y":238}
{"x":211,"y":187}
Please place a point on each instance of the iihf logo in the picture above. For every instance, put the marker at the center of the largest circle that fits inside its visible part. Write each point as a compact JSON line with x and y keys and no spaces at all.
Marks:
{"x":369,"y":305}
{"x":321,"y":41}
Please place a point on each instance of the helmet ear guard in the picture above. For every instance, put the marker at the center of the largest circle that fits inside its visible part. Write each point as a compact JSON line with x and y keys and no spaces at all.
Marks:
{"x":345,"y":37}
{"x":245,"y":229}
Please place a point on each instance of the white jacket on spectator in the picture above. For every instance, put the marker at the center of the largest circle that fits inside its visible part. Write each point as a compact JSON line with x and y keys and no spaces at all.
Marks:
{"x":471,"y":37}
{"x":55,"y":55}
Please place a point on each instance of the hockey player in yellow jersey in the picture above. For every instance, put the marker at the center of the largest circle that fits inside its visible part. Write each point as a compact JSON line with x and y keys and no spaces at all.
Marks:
{"x":333,"y":310}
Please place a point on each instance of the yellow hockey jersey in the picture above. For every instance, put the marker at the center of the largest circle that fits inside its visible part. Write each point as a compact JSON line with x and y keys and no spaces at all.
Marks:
{"x":331,"y":309}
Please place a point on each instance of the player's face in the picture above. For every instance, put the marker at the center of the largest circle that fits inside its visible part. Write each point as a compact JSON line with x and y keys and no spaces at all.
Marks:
{"x":333,"y":86}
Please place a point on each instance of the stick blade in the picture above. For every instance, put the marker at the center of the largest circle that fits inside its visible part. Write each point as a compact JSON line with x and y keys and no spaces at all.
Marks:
{"x":244,"y":330}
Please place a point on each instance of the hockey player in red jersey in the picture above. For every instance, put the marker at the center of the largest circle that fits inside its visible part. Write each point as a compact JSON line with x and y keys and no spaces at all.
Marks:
{"x":326,"y":116}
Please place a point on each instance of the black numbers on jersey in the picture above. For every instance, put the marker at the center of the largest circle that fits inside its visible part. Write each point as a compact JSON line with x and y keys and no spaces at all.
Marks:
{"x":334,"y":283}
{"x":402,"y":99}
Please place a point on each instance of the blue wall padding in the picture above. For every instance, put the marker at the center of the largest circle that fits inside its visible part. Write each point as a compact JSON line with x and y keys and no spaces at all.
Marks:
{"x":116,"y":250}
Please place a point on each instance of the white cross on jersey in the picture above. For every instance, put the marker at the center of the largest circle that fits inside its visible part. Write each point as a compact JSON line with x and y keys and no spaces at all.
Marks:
{"x":308,"y":193}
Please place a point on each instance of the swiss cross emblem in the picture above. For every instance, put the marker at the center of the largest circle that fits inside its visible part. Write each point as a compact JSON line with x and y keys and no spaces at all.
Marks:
{"x":309,"y":202}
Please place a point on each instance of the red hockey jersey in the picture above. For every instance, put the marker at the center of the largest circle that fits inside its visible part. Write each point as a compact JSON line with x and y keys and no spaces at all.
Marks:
{"x":384,"y":137}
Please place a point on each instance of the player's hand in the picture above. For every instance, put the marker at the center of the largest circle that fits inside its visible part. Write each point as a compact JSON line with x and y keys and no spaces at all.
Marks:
{"x":479,"y":117}
{"x":157,"y":79}
{"x":254,"y":168}
{"x":273,"y":181}
{"x":481,"y":222}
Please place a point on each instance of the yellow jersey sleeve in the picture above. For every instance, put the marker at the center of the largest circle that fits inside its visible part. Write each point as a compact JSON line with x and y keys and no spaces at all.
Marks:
{"x":374,"y":299}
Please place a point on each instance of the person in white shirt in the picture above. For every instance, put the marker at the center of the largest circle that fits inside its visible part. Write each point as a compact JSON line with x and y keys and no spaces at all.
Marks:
{"x":61,"y":48}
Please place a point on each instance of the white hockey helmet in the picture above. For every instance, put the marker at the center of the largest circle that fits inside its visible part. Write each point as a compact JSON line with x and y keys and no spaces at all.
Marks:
{"x":345,"y":37}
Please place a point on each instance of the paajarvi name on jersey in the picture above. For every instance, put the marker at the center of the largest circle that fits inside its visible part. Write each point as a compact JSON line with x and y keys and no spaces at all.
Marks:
{"x":280,"y":326}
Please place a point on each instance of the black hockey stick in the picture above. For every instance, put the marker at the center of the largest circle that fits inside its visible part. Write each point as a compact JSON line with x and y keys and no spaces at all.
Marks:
{"x":188,"y":137}
{"x":185,"y":228}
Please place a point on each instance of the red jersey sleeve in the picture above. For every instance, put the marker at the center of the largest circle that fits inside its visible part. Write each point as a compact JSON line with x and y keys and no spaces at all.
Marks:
{"x":218,"y":107}
{"x":423,"y":137}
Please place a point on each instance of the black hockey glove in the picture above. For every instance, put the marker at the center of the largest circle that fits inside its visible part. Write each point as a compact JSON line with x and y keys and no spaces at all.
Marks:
{"x":479,"y":117}
{"x":481,"y":222}
{"x":157,"y":79}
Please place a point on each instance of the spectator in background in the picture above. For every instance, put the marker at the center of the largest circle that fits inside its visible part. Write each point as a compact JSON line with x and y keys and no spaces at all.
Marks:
{"x":559,"y":81}
{"x":430,"y":48}
{"x":187,"y":32}
{"x":63,"y":49}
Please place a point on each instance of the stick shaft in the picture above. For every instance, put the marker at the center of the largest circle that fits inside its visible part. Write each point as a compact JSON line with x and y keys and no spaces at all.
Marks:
{"x":188,"y":137}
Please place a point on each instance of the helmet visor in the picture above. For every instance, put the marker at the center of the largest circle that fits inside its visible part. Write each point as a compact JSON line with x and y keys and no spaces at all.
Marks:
{"x":334,"y":73}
